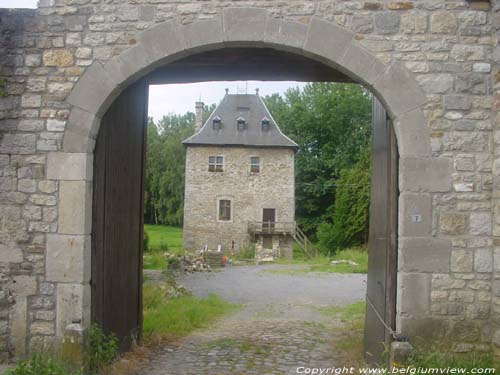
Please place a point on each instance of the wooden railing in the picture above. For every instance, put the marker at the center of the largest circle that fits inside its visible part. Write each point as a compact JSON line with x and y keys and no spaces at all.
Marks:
{"x":271,"y":227}
{"x":284,"y":228}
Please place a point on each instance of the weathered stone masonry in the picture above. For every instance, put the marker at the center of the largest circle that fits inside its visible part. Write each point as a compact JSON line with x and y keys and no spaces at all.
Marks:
{"x":434,"y":63}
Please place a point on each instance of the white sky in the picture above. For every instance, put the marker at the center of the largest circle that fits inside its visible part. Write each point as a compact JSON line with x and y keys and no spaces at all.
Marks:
{"x":180,"y":98}
{"x":18,"y":3}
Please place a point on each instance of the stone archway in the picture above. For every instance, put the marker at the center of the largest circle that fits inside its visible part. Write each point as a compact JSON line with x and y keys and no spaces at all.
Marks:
{"x":420,"y":173}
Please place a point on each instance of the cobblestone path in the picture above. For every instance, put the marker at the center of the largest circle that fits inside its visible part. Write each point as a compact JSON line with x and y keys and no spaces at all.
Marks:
{"x":267,"y":336}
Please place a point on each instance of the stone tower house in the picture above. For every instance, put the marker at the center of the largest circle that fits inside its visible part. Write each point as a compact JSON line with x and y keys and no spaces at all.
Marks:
{"x":240,"y":180}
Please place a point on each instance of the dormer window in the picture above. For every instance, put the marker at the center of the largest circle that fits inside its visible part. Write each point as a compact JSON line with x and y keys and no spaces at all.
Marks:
{"x":216,"y":123}
{"x":265,"y":124}
{"x":241,"y":123}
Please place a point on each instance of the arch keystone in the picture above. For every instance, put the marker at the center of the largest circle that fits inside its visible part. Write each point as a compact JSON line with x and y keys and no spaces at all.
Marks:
{"x":204,"y":35}
{"x":285,"y":33}
{"x":244,"y":25}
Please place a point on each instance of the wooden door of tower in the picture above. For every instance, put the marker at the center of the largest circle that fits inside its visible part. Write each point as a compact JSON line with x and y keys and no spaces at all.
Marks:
{"x":382,"y":243}
{"x":117,"y":221}
{"x":268,"y":219}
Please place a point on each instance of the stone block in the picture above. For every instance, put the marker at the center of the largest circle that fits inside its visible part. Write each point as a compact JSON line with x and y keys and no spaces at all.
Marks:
{"x":153,"y":46}
{"x":423,"y":327}
{"x":415,"y":219}
{"x":362,"y":64}
{"x":414,"y":294}
{"x":93,"y":91}
{"x":68,"y":258}
{"x":11,"y":143}
{"x":285,"y":33}
{"x":452,"y":223}
{"x":24,"y":285}
{"x":69,"y":166}
{"x":31,"y":125}
{"x":425,"y":174}
{"x":413,"y":134}
{"x":83,"y":123}
{"x":483,"y":260}
{"x":42,"y":328}
{"x":480,"y":223}
{"x":457,"y":102}
{"x":10,"y":252}
{"x":19,"y":326}
{"x":203,"y":35}
{"x":327,"y":40}
{"x":413,"y":23}
{"x":465,"y":162}
{"x":75,"y":142}
{"x":386,"y":22}
{"x":436,"y":83}
{"x":398,"y":90}
{"x":75,"y":207}
{"x":461,"y":261}
{"x":58,"y":57}
{"x":424,"y":254}
{"x":73,"y":306}
{"x":443,"y":22}
{"x":400,"y":353}
{"x":244,"y":25}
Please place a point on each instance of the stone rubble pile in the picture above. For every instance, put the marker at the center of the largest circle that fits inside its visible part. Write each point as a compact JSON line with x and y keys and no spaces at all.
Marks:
{"x":187,"y":263}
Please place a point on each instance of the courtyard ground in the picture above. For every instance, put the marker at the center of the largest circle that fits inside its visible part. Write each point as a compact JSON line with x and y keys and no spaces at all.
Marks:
{"x":281,"y":326}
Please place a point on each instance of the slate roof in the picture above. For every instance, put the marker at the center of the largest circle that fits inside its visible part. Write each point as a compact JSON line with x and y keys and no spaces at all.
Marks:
{"x":253,"y":110}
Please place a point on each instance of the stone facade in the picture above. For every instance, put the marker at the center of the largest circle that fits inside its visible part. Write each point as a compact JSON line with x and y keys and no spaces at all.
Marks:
{"x":249,"y":193}
{"x":433,"y":63}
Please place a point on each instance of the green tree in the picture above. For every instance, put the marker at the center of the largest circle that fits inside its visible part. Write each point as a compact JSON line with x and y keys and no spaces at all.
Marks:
{"x":166,"y":156}
{"x":351,"y":208}
{"x":165,"y":163}
{"x":331,"y":122}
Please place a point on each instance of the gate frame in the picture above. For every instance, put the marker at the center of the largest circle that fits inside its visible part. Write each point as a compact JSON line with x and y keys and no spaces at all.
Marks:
{"x":420,"y":174}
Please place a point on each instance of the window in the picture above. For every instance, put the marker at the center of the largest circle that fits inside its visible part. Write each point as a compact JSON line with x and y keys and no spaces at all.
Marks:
{"x":255,"y":164}
{"x":241,"y":123}
{"x":216,"y":123}
{"x":216,"y":163}
{"x":224,"y":210}
{"x":265,"y":123}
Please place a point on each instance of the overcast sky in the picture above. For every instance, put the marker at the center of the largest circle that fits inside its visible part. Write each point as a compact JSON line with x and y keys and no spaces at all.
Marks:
{"x":18,"y":3}
{"x":180,"y":98}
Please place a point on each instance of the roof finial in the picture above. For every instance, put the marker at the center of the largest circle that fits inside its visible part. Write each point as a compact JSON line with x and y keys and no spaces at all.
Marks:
{"x":227,"y":90}
{"x":256,"y":91}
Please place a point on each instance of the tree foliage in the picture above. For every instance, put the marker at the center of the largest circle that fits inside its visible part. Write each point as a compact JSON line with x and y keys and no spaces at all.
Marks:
{"x":350,"y":215}
{"x":165,"y":163}
{"x":331,"y":122}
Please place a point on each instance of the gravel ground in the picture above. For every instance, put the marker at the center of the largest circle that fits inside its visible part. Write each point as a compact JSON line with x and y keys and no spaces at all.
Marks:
{"x":277,"y":330}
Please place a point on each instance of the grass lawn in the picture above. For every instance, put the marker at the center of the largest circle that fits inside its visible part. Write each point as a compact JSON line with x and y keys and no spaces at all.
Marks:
{"x":164,"y":238}
{"x":323,"y":263}
{"x":171,"y":318}
{"x":161,"y":238}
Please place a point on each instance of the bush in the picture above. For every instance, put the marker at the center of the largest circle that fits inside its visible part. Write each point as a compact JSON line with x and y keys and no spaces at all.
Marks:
{"x":41,"y":364}
{"x":101,"y":349}
{"x":247,"y":252}
{"x":351,"y":209}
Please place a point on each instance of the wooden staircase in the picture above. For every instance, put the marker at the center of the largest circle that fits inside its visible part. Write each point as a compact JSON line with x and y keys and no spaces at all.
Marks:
{"x":307,"y":247}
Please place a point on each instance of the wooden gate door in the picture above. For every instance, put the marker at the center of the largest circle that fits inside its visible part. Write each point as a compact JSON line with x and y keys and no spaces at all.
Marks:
{"x":382,"y":245}
{"x":117,"y":222}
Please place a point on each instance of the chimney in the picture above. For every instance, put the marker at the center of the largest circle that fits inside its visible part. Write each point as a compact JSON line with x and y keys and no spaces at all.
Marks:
{"x":198,"y":115}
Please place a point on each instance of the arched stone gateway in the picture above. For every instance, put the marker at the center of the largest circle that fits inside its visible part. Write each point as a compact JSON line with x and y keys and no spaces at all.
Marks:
{"x":446,"y":235}
{"x":318,"y":40}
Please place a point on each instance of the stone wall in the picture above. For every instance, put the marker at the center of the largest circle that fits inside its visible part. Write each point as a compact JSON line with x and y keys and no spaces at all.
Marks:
{"x":272,"y":187}
{"x":447,"y":128}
